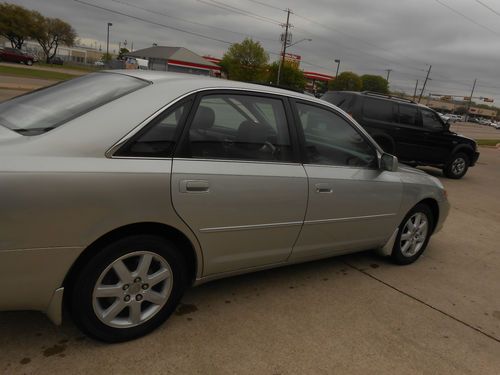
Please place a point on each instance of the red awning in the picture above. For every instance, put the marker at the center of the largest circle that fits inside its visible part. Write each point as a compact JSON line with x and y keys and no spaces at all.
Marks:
{"x":318,"y":76}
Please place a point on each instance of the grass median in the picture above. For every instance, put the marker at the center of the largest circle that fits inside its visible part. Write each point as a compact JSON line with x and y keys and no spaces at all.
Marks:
{"x":34,"y":73}
{"x":487,"y":142}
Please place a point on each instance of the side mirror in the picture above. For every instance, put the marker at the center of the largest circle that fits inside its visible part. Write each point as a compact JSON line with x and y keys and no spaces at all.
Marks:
{"x":388,"y":162}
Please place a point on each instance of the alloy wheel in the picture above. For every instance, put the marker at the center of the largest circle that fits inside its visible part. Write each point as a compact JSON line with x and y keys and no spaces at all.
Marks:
{"x":414,"y":234}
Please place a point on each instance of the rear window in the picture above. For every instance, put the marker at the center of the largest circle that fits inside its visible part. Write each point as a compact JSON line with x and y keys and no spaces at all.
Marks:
{"x":340,"y":99}
{"x":46,"y":109}
{"x":381,"y":110}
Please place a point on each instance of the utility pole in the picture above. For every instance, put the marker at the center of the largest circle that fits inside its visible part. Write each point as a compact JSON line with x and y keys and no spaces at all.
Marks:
{"x":388,"y":74}
{"x":470,"y":101}
{"x":285,"y":42}
{"x":415,"y":92}
{"x":425,"y":82}
{"x":107,"y":41}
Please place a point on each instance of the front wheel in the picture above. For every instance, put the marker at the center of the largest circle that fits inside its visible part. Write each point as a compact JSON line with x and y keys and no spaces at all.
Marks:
{"x":413,"y":236}
{"x":128,"y":289}
{"x":29,"y":62}
{"x":457,"y":167}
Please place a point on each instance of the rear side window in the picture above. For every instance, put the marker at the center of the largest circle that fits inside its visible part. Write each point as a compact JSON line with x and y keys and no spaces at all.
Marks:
{"x":408,"y":115}
{"x":431,"y":120}
{"x":43,"y":110}
{"x":338,"y":98}
{"x":380,"y":110}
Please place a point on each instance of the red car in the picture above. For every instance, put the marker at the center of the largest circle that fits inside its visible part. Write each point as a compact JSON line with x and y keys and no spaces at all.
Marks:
{"x":15,"y":55}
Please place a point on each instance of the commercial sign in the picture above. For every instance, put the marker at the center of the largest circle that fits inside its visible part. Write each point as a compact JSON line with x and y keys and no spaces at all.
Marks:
{"x":292,"y":59}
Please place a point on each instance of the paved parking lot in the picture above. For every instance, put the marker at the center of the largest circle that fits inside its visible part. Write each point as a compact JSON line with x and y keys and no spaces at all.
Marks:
{"x":353,"y":314}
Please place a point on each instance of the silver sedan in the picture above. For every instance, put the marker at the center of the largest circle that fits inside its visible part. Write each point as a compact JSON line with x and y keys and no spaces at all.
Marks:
{"x":120,"y":189}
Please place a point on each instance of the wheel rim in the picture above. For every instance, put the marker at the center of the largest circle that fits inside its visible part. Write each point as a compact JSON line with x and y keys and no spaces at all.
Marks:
{"x":458,"y":166}
{"x":132,"y":289}
{"x":414,"y":234}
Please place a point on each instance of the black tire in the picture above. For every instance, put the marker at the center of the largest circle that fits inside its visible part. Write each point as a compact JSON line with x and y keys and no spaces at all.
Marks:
{"x":29,"y":62}
{"x":457,"y":167}
{"x":81,"y":300}
{"x":398,"y":254}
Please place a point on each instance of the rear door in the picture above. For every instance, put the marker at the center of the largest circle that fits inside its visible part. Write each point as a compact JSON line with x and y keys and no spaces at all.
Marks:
{"x":352,"y":204}
{"x":237,"y":182}
{"x":411,"y":138}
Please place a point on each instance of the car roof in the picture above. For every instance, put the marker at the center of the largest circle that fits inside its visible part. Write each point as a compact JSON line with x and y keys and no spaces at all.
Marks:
{"x":381,"y":97}
{"x":204,"y":82}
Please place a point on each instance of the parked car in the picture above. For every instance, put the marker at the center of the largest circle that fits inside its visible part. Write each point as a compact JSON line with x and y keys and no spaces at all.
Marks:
{"x":413,"y":132}
{"x":445,"y":118}
{"x":16,"y":55}
{"x":454,"y":118}
{"x":99,"y":63}
{"x":120,"y":189}
{"x":56,"y":60}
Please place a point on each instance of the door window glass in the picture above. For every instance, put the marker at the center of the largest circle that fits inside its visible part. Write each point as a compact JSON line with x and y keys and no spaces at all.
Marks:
{"x":331,"y":140}
{"x":376,"y":109}
{"x":431,"y":120}
{"x":239,"y":127}
{"x":158,"y":138}
{"x":408,"y":115}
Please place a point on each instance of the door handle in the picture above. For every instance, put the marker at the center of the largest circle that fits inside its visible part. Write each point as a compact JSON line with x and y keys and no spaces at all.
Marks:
{"x":323,"y":188}
{"x":194,"y":186}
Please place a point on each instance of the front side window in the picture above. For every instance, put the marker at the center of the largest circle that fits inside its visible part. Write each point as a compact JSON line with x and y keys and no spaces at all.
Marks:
{"x":431,"y":120}
{"x":46,"y":109}
{"x":408,"y":115}
{"x":158,"y":138}
{"x":239,"y":127}
{"x":331,"y":140}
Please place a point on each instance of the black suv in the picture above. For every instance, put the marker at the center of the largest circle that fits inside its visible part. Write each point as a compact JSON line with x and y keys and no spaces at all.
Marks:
{"x":413,"y":132}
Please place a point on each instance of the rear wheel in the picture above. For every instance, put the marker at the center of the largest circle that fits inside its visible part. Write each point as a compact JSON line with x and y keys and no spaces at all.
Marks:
{"x":413,"y":236}
{"x":457,"y":167}
{"x":128,"y":289}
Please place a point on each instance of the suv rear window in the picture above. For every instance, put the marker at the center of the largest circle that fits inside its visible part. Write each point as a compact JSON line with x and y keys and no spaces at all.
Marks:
{"x":381,"y":110}
{"x":46,"y":109}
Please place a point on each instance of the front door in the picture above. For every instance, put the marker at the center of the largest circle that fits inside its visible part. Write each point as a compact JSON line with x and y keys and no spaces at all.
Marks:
{"x":352,"y":204}
{"x":237,"y":183}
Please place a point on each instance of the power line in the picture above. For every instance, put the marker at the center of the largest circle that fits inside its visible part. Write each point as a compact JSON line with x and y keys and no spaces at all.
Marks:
{"x":153,"y":22}
{"x":466,"y":17}
{"x":265,"y":4}
{"x":488,"y":7}
{"x":183,"y":19}
{"x":239,"y":11}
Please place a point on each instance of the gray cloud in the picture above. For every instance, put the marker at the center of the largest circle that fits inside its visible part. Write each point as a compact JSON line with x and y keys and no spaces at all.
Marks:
{"x":368,"y":36}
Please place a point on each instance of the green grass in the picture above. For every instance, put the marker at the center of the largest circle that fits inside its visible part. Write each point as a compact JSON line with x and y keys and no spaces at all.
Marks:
{"x":34,"y":73}
{"x":487,"y":142}
{"x":79,"y":68}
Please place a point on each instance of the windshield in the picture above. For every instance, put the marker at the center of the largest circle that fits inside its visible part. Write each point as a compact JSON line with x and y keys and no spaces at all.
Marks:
{"x":42,"y":110}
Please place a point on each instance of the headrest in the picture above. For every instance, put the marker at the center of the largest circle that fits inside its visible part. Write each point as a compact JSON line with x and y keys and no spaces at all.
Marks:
{"x":204,"y":118}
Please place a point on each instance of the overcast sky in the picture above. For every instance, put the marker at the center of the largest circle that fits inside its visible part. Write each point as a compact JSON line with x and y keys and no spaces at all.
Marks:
{"x":367,"y":36}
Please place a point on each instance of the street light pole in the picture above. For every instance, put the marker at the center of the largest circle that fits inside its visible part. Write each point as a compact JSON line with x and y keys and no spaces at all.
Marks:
{"x":107,"y":41}
{"x":285,"y":42}
{"x":338,"y":67}
{"x":470,"y":101}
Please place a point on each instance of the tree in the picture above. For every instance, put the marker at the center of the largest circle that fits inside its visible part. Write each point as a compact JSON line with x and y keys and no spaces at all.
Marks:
{"x":347,"y":81}
{"x":245,"y":61}
{"x":51,"y":32}
{"x":16,"y":24}
{"x":123,"y":51}
{"x":374,"y":83}
{"x":291,"y":76}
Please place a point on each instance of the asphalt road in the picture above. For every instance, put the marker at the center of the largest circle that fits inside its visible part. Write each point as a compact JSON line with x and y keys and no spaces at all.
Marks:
{"x":354,"y":314}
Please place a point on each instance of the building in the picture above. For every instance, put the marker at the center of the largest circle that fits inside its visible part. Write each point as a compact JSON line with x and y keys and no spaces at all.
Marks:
{"x":176,"y":59}
{"x":314,"y":80}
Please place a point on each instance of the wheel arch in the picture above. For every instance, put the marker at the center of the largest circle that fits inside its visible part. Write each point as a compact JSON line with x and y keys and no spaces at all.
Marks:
{"x":188,"y":250}
{"x":434,"y":207}
{"x":466,"y":149}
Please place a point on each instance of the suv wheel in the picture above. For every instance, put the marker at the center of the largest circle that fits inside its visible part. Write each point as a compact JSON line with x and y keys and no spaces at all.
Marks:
{"x":29,"y":62}
{"x":414,"y":234}
{"x":128,"y":289}
{"x":458,"y":166}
